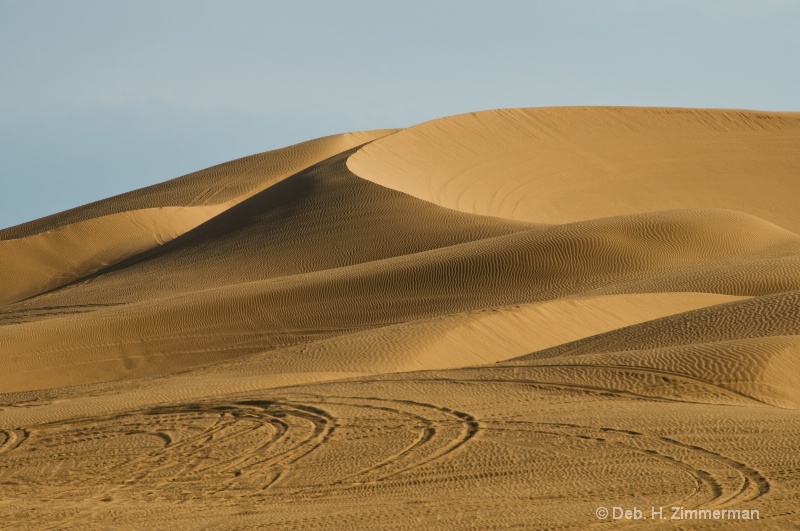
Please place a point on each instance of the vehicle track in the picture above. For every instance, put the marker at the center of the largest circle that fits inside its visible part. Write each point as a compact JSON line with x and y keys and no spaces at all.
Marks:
{"x":194,"y":440}
{"x":256,"y":444}
{"x":433,"y":442}
{"x":714,"y":389}
{"x":12,"y":439}
{"x":719,"y":480}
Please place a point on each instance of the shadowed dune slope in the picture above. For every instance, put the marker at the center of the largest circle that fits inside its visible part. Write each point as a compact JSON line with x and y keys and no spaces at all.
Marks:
{"x":557,"y":165}
{"x":35,"y":264}
{"x":506,"y":319}
{"x":211,"y":186}
{"x":210,"y":322}
{"x":318,"y":219}
{"x":51,"y":251}
{"x":305,"y":251}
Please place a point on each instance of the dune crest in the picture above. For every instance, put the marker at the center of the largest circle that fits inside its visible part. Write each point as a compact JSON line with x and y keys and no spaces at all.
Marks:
{"x":504,"y":319}
{"x":53,"y":251}
{"x":46,"y":260}
{"x":558,"y":165}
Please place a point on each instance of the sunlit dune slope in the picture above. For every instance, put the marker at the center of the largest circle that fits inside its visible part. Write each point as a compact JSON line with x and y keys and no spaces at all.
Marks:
{"x":749,"y":347}
{"x":291,"y":250}
{"x":459,"y":339}
{"x":505,"y":319}
{"x":54,"y":250}
{"x":765,"y":369}
{"x":211,"y":186}
{"x":318,"y":219}
{"x":556,"y":165}
{"x":208,"y":322}
{"x":771,"y":315}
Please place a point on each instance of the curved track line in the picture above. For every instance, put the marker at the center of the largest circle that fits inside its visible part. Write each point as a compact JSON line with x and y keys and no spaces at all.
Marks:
{"x":469,"y":429}
{"x":711,"y":489}
{"x":12,"y":439}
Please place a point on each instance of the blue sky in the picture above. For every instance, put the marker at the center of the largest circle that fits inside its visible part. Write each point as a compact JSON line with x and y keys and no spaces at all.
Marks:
{"x":101,"y":97}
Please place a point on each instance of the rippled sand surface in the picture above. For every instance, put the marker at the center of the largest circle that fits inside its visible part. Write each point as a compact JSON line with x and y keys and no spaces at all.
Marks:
{"x":506,"y":319}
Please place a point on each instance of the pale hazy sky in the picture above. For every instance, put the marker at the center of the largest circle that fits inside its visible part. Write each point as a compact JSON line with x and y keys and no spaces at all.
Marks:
{"x":101,"y":97}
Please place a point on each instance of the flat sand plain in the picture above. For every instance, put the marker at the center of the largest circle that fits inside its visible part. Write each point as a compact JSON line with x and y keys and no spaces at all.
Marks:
{"x":504,"y":319}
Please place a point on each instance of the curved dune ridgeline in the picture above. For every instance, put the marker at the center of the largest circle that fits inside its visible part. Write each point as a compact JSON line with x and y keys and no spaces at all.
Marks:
{"x":49,"y":252}
{"x":557,"y":165}
{"x":493,"y":320}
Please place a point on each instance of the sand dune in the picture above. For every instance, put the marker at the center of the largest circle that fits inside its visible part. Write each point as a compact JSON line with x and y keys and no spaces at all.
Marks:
{"x":501,"y":319}
{"x":750,"y":347}
{"x":50,"y":252}
{"x":765,"y":369}
{"x":558,"y":165}
{"x":772,"y":315}
{"x":47,"y":260}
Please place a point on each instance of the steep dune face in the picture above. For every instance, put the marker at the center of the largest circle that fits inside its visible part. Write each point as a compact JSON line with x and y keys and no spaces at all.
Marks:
{"x":43,"y":261}
{"x":47,"y":253}
{"x":306,"y":223}
{"x":559,"y":165}
{"x":187,"y":321}
{"x":211,"y":186}
{"x":508,"y":318}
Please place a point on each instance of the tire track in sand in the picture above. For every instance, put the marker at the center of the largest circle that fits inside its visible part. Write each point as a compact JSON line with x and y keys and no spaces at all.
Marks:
{"x":719,"y":480}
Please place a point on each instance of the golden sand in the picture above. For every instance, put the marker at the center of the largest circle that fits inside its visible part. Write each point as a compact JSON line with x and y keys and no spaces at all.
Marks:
{"x":505,"y":319}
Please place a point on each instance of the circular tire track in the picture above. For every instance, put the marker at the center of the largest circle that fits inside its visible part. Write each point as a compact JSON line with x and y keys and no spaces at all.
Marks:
{"x":713,"y":486}
{"x":441,"y":431}
{"x":186,"y":443}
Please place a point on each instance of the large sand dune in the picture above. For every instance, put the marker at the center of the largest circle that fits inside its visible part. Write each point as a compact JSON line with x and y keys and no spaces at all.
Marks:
{"x":507,"y":318}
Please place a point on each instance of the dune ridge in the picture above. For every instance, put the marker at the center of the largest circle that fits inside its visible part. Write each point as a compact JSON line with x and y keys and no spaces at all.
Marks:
{"x":556,"y":165}
{"x":500,"y":319}
{"x":765,"y":369}
{"x":208,"y":321}
{"x":770,"y":315}
{"x":52,"y":251}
